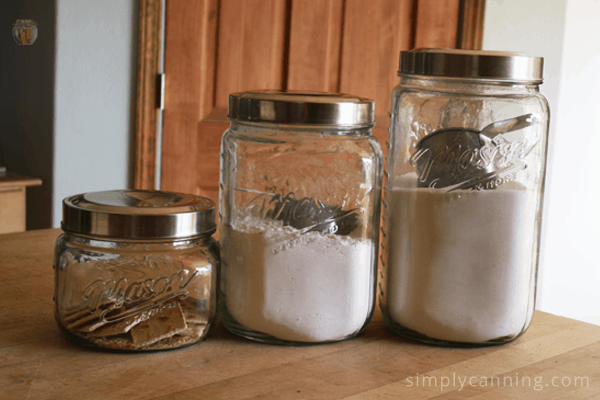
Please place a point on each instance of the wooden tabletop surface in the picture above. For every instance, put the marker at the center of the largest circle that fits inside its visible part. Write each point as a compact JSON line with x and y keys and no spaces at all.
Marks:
{"x":557,"y":358}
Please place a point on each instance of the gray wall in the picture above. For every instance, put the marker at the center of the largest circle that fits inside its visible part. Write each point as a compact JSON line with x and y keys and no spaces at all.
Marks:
{"x":68,"y":100}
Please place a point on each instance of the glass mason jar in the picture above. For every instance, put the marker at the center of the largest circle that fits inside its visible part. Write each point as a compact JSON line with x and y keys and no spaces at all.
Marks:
{"x":299,"y":216}
{"x":463,"y":196}
{"x":25,"y":31}
{"x":136,"y":270}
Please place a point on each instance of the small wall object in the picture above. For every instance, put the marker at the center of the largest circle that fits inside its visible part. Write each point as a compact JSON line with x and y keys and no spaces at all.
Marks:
{"x":25,"y":31}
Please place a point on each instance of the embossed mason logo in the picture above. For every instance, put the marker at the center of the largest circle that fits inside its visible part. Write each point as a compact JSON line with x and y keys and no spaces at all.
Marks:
{"x":459,"y":158}
{"x":135,"y":287}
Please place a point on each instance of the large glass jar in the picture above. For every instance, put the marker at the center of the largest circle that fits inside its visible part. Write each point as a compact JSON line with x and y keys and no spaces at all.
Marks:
{"x":136,"y":270}
{"x":463,"y":197}
{"x":299,"y":216}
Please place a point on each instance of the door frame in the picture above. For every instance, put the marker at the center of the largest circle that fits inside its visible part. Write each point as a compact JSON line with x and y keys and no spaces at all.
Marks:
{"x":146,"y":150}
{"x":146,"y":135}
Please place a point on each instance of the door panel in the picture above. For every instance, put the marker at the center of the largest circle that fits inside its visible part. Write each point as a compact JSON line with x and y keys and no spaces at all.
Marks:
{"x":251,"y":46}
{"x":190,"y":43}
{"x":216,"y":47}
{"x":314,"y":49}
{"x":373,"y":38}
{"x":437,"y":23}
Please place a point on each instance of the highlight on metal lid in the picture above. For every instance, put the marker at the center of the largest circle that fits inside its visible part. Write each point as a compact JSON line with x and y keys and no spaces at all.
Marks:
{"x":138,"y":214}
{"x":472,"y":64}
{"x":314,"y":108}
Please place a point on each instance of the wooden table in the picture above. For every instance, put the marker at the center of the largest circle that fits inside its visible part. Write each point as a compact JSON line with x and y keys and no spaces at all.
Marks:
{"x":12,"y":201}
{"x":557,"y":358}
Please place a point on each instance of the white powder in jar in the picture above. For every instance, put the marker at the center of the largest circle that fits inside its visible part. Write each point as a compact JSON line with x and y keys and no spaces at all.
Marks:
{"x":306,"y":287}
{"x":460,"y":264}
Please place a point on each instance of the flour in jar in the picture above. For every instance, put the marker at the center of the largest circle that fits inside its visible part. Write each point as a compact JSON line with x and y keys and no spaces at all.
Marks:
{"x":304,"y":287}
{"x":460,"y":263}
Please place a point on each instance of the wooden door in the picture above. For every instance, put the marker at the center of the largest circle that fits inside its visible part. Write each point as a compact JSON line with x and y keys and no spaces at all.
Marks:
{"x":216,"y":47}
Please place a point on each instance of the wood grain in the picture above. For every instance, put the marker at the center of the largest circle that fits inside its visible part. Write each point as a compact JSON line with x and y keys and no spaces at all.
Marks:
{"x":372,"y":40}
{"x":37,"y":363}
{"x":189,"y":69}
{"x":12,"y":201}
{"x":437,"y":24}
{"x":470,"y":29}
{"x":251,"y":47}
{"x":210,"y":131}
{"x":200,"y":76}
{"x":314,"y":47}
{"x":208,"y":56}
{"x":12,"y":209}
{"x":146,"y":126}
{"x":216,"y":47}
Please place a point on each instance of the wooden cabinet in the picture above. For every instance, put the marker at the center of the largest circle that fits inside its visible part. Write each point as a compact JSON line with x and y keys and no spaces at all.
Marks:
{"x":12,"y":201}
{"x":216,"y":47}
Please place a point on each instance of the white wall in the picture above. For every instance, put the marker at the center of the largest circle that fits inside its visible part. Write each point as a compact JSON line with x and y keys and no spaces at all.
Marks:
{"x":564,"y":32}
{"x":96,"y":47}
{"x":572,"y":277}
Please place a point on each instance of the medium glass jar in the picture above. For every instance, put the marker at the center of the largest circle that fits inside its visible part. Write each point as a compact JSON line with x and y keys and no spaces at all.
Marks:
{"x":299,"y":216}
{"x":463,"y":197}
{"x":136,"y":270}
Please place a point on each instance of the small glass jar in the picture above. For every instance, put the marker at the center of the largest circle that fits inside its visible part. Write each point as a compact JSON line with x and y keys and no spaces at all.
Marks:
{"x":465,"y":178}
{"x":25,"y":31}
{"x":136,"y":270}
{"x":299,"y":216}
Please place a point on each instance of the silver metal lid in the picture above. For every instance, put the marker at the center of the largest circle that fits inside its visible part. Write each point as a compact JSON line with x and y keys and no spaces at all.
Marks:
{"x":472,"y":64}
{"x":138,"y":214}
{"x":302,"y":108}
